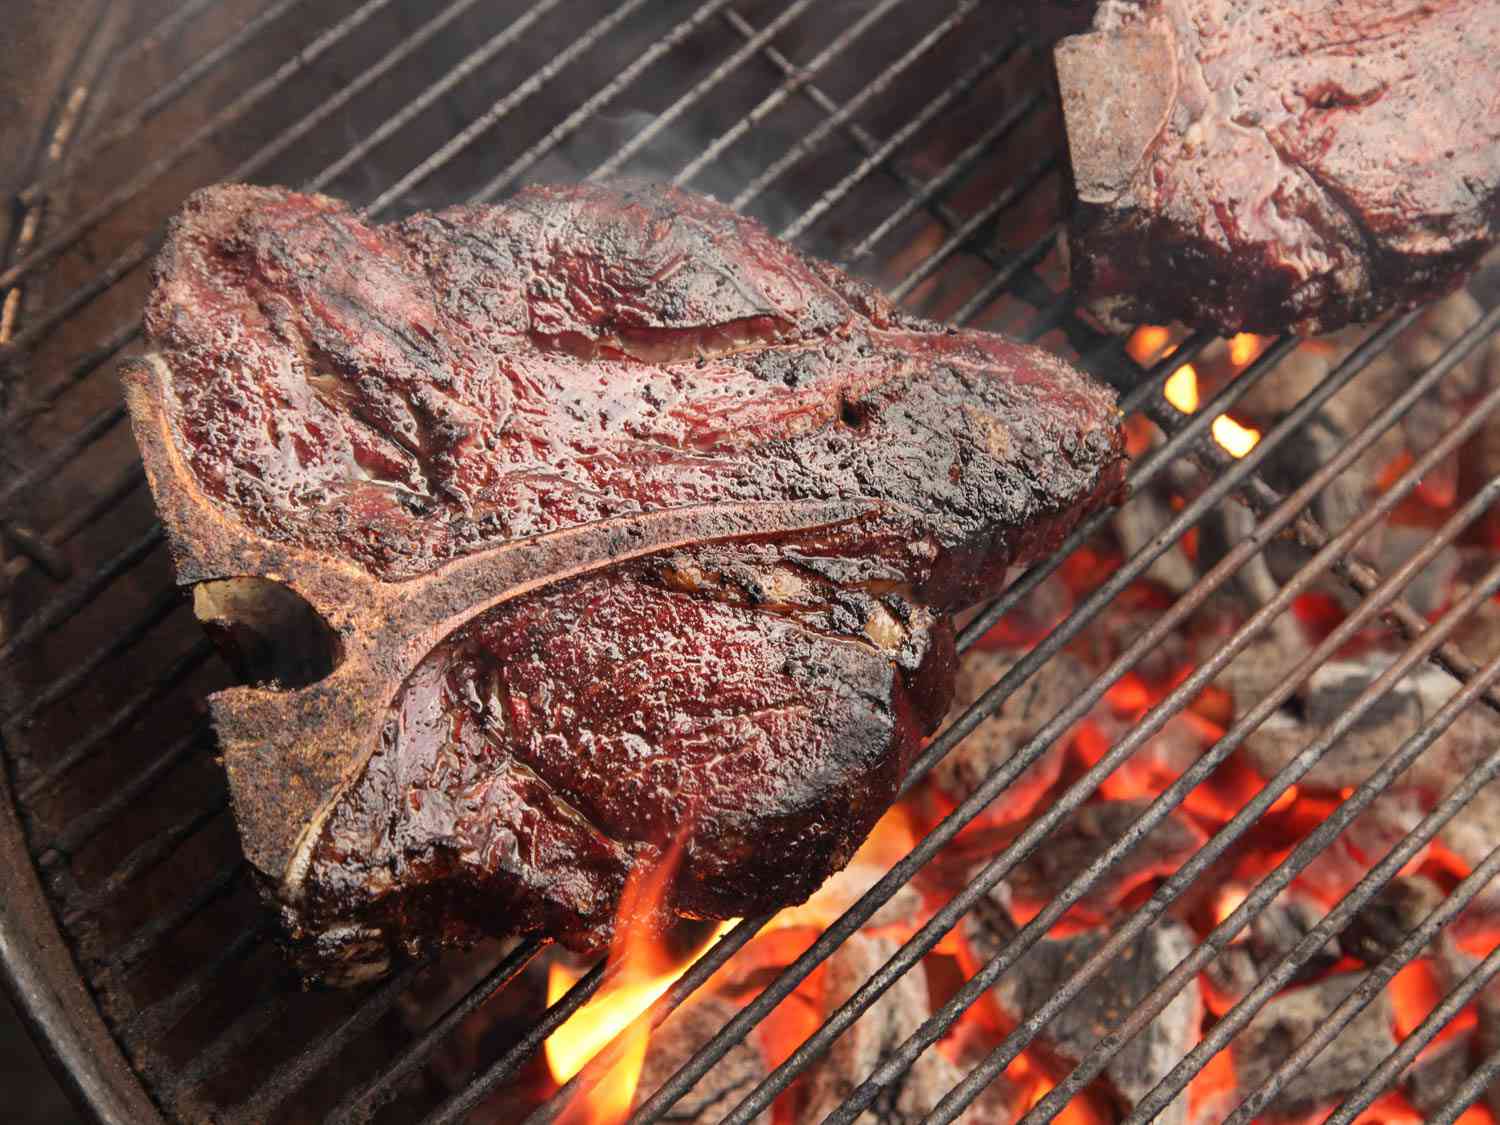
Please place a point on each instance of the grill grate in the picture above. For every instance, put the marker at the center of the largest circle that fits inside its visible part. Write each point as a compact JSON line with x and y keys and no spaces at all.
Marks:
{"x":919,"y":140}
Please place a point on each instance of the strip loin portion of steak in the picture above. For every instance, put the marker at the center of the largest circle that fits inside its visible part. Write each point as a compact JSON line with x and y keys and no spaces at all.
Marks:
{"x":574,"y":529}
{"x":1265,"y":165}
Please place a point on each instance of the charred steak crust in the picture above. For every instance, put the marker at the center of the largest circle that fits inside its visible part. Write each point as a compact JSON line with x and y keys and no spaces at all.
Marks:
{"x":1264,"y":165}
{"x":629,"y":525}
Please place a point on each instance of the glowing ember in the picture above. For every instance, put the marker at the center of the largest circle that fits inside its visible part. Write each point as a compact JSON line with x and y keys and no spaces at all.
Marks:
{"x":1285,"y":801}
{"x":1236,"y":439}
{"x":1245,"y":347}
{"x":1213,"y":1089}
{"x":1181,"y":390}
{"x":643,"y":967}
{"x":1148,"y":343}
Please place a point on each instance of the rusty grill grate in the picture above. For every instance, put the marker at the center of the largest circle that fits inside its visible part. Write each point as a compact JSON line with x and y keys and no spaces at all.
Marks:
{"x":921,"y":142}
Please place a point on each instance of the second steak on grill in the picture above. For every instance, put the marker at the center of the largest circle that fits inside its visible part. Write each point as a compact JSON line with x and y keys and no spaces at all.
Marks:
{"x":575,"y":533}
{"x":1264,"y":165}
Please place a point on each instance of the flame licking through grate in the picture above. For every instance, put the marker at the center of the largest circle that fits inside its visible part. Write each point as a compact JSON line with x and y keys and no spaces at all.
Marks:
{"x":1151,"y":342}
{"x":643,"y":964}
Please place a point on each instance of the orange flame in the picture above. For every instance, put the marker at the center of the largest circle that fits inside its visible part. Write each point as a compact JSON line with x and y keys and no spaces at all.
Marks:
{"x":643,"y":967}
{"x":1181,"y":390}
{"x":585,"y":1033}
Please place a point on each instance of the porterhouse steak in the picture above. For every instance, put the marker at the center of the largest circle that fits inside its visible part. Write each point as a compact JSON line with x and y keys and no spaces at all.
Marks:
{"x":1265,"y":165}
{"x":571,"y":532}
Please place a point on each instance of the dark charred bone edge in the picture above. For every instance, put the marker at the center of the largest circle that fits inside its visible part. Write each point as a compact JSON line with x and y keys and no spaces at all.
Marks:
{"x":1237,"y":165}
{"x":928,"y":462}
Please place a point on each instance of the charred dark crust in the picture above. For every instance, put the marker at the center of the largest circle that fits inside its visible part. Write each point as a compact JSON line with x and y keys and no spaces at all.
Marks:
{"x":1260,"y":165}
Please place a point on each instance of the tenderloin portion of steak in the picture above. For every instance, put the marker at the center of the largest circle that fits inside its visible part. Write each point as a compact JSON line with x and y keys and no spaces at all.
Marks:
{"x":1265,"y":165}
{"x":574,"y":532}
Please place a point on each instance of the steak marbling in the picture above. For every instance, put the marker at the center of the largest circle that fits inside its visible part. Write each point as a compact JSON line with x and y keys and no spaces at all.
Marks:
{"x":611,"y":523}
{"x":1264,"y":165}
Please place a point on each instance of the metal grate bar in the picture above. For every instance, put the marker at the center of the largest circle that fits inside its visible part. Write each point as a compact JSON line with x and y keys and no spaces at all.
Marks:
{"x":776,"y":97}
{"x":212,"y":1057}
{"x":48,"y":464}
{"x":452,"y":76}
{"x":1336,"y":920}
{"x":147,"y":1024}
{"x":79,"y":594}
{"x":1361,"y":577}
{"x":1144,"y":471}
{"x":507,"y":1064}
{"x":126,"y":953}
{"x":1281,"y":877}
{"x":155,"y":37}
{"x":142,"y":249}
{"x":502,"y":108}
{"x":295,"y":1072}
{"x":602,"y":97}
{"x":1240,"y":1014}
{"x":736,"y":59}
{"x":148,"y":855}
{"x":1369,"y":988}
{"x":1006,"y":276}
{"x":131,"y":120}
{"x":1036,"y":832}
{"x":799,"y":81}
{"x":962,"y":164}
{"x":1006,"y":268}
{"x":119,"y":642}
{"x":88,"y":514}
{"x":91,"y":360}
{"x":1468,"y":1093}
{"x":844,"y":113}
{"x":362,"y":1102}
{"x":886,"y":151}
{"x":971,"y":226}
{"x":99,"y":736}
{"x":85,"y":826}
{"x":237,"y":108}
{"x":699,"y":972}
{"x":1391,"y":1067}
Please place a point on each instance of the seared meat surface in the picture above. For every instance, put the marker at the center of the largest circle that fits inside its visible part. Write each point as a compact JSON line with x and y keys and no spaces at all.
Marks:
{"x":1265,"y":165}
{"x":616,"y":525}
